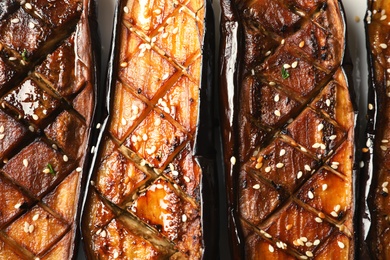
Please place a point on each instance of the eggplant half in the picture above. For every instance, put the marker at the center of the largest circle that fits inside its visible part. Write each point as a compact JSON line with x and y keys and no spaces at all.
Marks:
{"x":151,"y":193}
{"x":288,"y":127}
{"x":376,"y":224}
{"x":47,"y":101}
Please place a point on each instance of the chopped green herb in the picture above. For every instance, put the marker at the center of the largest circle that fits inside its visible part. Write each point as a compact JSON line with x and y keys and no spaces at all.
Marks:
{"x":285,"y":73}
{"x":51,"y":169}
{"x":24,"y":55}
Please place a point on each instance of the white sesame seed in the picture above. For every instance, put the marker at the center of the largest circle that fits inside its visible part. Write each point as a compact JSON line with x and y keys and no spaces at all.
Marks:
{"x":385,"y":184}
{"x":256,"y":186}
{"x":2,"y":136}
{"x":267,"y":169}
{"x":328,"y":103}
{"x":299,"y":175}
{"x":103,"y":233}
{"x":282,"y":41}
{"x":383,"y":148}
{"x":116,"y":255}
{"x":79,"y":169}
{"x":341,"y":244}
{"x":124,"y":122}
{"x":31,"y":25}
{"x":383,"y":45}
{"x":25,"y":162}
{"x":279,"y":165}
{"x":383,"y":17}
{"x":35,"y":117}
{"x":332,"y":137}
{"x":126,"y":9}
{"x":12,"y":58}
{"x":316,"y":242}
{"x":310,"y":195}
{"x":17,"y":205}
{"x":324,"y":187}
{"x":316,"y":145}
{"x":28,"y":6}
{"x":271,"y":248}
{"x":334,"y":214}
{"x":304,"y":239}
{"x":309,"y":244}
{"x":370,"y":106}
{"x":184,"y":218}
{"x":233,"y":160}
{"x":258,"y":165}
{"x":15,"y":20}
{"x":144,"y":137}
{"x":307,"y":168}
{"x":31,"y":229}
{"x":271,"y":83}
{"x":1,"y":129}
{"x":300,"y":242}
{"x":301,"y":44}
{"x":277,"y":113}
{"x":175,"y":173}
{"x":385,"y":189}
{"x":294,"y":64}
{"x":303,"y":149}
{"x":276,"y":98}
{"x":286,"y":66}
{"x":175,"y":30}
{"x":267,"y":53}
{"x":35,"y":218}
{"x":25,"y":227}
{"x":318,"y":220}
{"x":309,"y":253}
{"x":46,"y":170}
{"x":361,"y":164}
{"x":282,"y":152}
{"x":65,"y":158}
{"x":320,"y":127}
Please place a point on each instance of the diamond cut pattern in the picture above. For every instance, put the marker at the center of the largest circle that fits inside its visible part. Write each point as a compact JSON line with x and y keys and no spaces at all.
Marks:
{"x":288,"y":183}
{"x":160,"y":68}
{"x":40,"y":76}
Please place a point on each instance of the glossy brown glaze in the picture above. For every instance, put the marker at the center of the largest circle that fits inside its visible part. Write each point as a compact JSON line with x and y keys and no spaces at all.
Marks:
{"x":288,"y":130}
{"x":377,"y":219}
{"x":47,"y":67}
{"x":150,"y":193}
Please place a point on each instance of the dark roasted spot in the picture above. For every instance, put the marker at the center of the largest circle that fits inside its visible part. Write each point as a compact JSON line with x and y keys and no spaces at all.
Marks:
{"x":139,"y":91}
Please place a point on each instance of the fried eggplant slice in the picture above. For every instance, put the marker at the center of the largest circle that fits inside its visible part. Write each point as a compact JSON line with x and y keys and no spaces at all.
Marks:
{"x":47,"y":64}
{"x":151,"y":194}
{"x":288,"y":130}
{"x":376,"y":164}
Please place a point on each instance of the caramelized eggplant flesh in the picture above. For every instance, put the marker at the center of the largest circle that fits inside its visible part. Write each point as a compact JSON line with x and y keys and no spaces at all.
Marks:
{"x":288,"y":123}
{"x":46,"y":69}
{"x":150,"y":176}
{"x":377,"y":133}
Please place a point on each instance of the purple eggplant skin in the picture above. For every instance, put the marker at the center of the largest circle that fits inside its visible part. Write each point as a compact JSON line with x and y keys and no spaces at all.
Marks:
{"x":232,"y":68}
{"x":203,"y":147}
{"x":374,"y":239}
